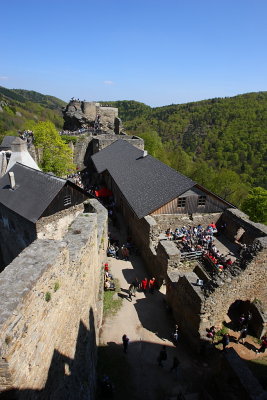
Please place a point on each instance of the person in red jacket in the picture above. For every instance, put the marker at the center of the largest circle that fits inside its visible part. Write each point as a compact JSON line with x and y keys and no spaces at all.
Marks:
{"x":152,"y":282}
{"x":144,"y":285}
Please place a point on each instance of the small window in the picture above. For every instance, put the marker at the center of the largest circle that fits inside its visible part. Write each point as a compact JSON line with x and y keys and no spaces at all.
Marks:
{"x":67,"y":201}
{"x":181,"y":202}
{"x":202,"y":200}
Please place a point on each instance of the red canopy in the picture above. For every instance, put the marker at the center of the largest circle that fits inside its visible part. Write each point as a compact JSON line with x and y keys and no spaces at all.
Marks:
{"x":103,"y":192}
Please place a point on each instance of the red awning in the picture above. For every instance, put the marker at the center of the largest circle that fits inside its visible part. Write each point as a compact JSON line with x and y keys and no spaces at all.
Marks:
{"x":103,"y":192}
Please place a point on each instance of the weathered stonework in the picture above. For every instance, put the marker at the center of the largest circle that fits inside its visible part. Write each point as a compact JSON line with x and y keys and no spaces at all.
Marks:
{"x":191,"y":306}
{"x":50,"y":313}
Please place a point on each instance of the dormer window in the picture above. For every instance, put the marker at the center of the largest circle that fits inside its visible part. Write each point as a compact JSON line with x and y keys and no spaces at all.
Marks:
{"x":202,"y":200}
{"x":67,"y":200}
{"x":181,"y":202}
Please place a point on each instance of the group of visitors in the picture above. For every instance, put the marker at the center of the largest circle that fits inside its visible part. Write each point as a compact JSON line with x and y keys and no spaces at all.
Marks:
{"x":145,"y":285}
{"x":193,"y":234}
{"x":109,"y":283}
{"x":77,"y":179}
{"x":27,"y":135}
{"x":81,"y":179}
{"x":197,"y":239}
{"x":242,"y":326}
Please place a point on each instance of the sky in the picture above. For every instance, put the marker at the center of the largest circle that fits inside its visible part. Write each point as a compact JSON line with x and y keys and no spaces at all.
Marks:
{"x":152,"y":51}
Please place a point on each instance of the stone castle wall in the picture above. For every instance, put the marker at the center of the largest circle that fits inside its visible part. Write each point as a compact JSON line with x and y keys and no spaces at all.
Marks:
{"x":48,"y":347}
{"x":190,"y":307}
{"x":249,"y":285}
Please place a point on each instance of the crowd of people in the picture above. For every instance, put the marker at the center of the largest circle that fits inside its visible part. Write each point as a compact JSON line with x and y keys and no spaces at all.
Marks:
{"x":27,"y":135}
{"x":198,"y":239}
{"x":80,"y":179}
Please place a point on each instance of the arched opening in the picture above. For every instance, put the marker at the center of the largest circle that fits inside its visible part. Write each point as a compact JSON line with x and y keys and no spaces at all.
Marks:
{"x":253,"y":315}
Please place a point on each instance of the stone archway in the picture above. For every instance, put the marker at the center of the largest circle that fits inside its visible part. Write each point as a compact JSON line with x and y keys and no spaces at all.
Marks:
{"x":256,"y":325}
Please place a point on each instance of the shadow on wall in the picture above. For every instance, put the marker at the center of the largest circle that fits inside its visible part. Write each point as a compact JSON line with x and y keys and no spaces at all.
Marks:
{"x":68,"y":378}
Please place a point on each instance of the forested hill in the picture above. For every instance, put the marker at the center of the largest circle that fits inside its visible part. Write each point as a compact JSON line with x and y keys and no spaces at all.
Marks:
{"x":19,"y":109}
{"x":221,"y":143}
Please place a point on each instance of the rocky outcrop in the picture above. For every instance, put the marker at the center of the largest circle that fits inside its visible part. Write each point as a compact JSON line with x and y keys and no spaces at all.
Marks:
{"x":85,"y":115}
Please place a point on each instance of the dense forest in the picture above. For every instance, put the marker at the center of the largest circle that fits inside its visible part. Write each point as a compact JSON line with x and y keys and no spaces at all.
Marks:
{"x":220,"y":143}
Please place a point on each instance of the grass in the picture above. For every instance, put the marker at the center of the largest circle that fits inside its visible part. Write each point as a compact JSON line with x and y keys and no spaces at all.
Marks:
{"x":48,"y":296}
{"x":112,"y":303}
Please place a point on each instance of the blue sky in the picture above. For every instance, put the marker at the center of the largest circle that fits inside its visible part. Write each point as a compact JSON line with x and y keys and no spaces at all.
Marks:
{"x":156,"y":52}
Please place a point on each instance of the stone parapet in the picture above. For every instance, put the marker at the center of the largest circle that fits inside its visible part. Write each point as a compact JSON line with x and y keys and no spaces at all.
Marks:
{"x":50,"y":313}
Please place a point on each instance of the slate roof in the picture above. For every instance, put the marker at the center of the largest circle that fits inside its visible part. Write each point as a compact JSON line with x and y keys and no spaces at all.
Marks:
{"x":33,"y":192}
{"x":146,"y":183}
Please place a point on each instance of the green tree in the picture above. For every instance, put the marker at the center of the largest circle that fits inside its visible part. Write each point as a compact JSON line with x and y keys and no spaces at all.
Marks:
{"x":56,"y":155}
{"x":255,"y":205}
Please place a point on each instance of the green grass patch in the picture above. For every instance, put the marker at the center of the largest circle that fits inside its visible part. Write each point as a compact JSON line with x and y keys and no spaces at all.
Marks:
{"x":48,"y":296}
{"x":112,"y":303}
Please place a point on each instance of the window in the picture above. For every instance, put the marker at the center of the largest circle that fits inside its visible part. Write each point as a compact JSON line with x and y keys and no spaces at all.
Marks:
{"x":181,"y":202}
{"x":202,"y":201}
{"x":67,"y":200}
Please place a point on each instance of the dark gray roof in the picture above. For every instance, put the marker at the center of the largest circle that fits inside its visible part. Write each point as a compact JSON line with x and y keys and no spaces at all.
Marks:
{"x":146,"y":182}
{"x":33,"y":193}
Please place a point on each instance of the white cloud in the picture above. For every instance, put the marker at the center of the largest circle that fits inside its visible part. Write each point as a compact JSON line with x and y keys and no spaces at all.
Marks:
{"x":108,"y":82}
{"x":3,"y":78}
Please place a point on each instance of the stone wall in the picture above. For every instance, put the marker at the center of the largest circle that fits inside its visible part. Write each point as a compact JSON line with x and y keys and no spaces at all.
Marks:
{"x":87,"y":145}
{"x":50,"y":313}
{"x":249,"y":284}
{"x":173,"y":221}
{"x":185,"y":300}
{"x":235,"y":219}
{"x":56,"y":225}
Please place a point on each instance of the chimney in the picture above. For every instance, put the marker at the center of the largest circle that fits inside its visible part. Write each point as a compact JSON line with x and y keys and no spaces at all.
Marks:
{"x":12,"y":180}
{"x":145,"y":153}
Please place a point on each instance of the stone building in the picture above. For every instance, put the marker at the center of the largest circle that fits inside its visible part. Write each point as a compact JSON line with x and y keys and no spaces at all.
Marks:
{"x":29,"y":200}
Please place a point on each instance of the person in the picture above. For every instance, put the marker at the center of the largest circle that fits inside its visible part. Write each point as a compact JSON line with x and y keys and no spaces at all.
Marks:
{"x":263,"y":345}
{"x":225,"y":340}
{"x":125,"y":253}
{"x":241,"y":321}
{"x":243,"y":334}
{"x":152,"y":282}
{"x":144,"y":284}
{"x":248,"y":317}
{"x":175,"y":334}
{"x":162,"y":356}
{"x":135,"y":285}
{"x":211,"y":333}
{"x":125,"y":342}
{"x":131,"y":292}
{"x":175,"y":365}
